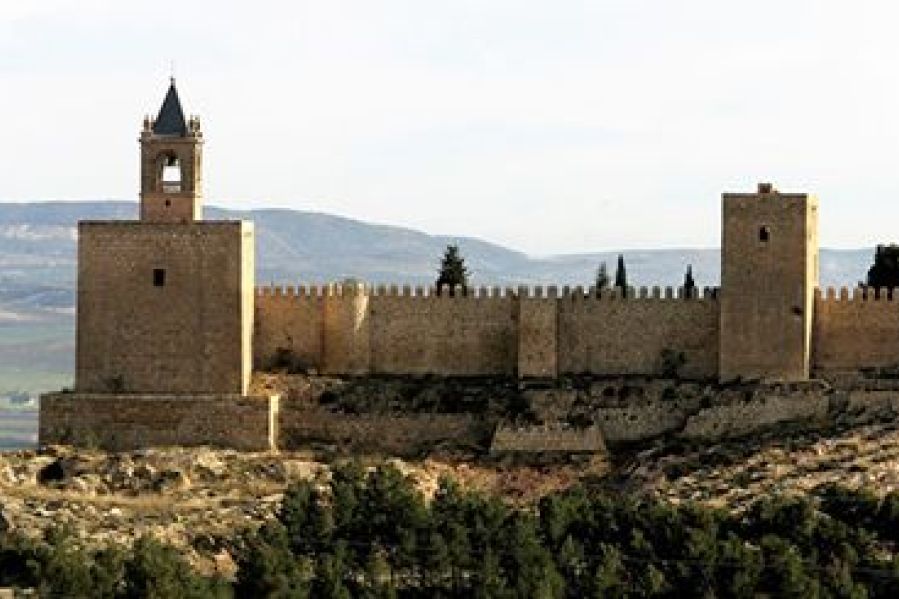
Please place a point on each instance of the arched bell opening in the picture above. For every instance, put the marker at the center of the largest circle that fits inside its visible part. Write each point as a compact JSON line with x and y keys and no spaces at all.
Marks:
{"x":170,"y":175}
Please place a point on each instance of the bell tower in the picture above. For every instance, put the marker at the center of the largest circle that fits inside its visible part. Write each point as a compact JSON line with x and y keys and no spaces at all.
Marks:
{"x":164,"y":320}
{"x":165,"y":303}
{"x":171,"y":151}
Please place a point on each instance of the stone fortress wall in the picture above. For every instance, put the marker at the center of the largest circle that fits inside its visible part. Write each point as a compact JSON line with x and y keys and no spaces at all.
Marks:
{"x":162,"y":307}
{"x":855,"y":329}
{"x":541,"y":332}
{"x":619,"y":336}
{"x":170,"y":325}
{"x":532,"y":332}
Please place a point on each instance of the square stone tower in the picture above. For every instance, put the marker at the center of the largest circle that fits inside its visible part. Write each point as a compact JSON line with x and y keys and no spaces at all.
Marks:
{"x":165,"y":316}
{"x":769,"y":272}
{"x":165,"y":304}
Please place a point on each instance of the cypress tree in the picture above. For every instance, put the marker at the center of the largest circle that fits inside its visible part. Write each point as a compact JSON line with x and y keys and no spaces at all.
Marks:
{"x":689,"y":283}
{"x":621,"y":275}
{"x":453,"y":272}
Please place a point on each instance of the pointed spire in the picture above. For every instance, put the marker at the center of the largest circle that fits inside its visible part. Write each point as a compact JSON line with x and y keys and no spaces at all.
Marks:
{"x":170,"y":120}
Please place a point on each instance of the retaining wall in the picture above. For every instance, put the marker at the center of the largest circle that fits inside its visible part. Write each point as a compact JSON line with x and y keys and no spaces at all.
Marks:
{"x":547,"y":438}
{"x":382,"y":433}
{"x":125,"y":422}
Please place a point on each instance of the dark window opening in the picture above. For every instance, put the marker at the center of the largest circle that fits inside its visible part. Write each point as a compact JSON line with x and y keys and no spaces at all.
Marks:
{"x":764,"y":234}
{"x":168,"y":203}
{"x":158,"y":277}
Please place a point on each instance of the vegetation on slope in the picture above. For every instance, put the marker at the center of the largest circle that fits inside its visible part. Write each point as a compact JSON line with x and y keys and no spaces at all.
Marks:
{"x":371,"y":533}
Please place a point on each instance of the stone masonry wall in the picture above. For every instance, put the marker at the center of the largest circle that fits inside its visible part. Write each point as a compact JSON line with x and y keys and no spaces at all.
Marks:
{"x":530,"y":332}
{"x":736,"y":417}
{"x":290,"y":320}
{"x":382,"y":433}
{"x":538,"y":338}
{"x":547,"y":438}
{"x":186,"y":332}
{"x":614,"y":336}
{"x":769,"y":270}
{"x":461,"y":336}
{"x":345,"y":329}
{"x":852,"y":331}
{"x":125,"y":422}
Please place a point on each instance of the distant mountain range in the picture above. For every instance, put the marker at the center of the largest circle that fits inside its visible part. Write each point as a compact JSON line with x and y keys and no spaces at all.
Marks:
{"x":38,"y":251}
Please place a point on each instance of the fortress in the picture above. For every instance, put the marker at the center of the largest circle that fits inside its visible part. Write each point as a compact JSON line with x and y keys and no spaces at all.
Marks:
{"x":170,"y":325}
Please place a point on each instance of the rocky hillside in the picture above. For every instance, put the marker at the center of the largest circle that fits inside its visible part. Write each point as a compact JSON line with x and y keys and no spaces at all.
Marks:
{"x":197,"y":499}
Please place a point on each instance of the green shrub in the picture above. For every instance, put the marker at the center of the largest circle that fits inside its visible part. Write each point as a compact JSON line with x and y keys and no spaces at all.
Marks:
{"x":158,"y":571}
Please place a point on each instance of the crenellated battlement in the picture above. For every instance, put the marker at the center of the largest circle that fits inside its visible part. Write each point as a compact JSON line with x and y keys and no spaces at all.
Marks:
{"x":640,"y":293}
{"x":521,"y":292}
{"x":313,"y":291}
{"x":856,"y":294}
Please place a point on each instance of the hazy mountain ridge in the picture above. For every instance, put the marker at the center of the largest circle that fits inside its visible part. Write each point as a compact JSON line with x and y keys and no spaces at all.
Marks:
{"x":38,"y":242}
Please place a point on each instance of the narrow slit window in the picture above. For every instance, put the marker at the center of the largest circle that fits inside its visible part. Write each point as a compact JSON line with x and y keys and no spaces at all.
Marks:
{"x":159,"y":277}
{"x":764,"y":234}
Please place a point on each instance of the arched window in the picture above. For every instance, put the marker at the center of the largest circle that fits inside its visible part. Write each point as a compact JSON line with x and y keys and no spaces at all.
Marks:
{"x":171,"y":174}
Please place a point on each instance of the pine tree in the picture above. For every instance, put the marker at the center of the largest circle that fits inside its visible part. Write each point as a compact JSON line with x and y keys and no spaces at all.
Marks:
{"x":489,"y":579}
{"x":621,"y":275}
{"x":689,"y":283}
{"x":884,"y":273}
{"x":379,"y":578}
{"x":610,"y":577}
{"x":602,"y":278}
{"x":330,"y":577}
{"x":157,"y":570}
{"x":308,"y":521}
{"x":266,"y":567}
{"x":453,"y":272}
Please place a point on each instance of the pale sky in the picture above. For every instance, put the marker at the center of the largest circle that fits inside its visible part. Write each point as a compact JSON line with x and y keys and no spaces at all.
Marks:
{"x":550,"y":126}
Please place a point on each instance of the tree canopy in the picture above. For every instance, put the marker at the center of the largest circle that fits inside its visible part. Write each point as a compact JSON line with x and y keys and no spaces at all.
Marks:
{"x":884,"y":273}
{"x":621,"y":275}
{"x":689,"y":283}
{"x":453,"y":272}
{"x":372,"y":533}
